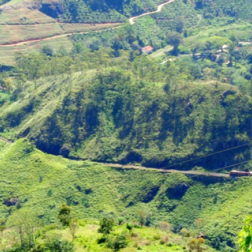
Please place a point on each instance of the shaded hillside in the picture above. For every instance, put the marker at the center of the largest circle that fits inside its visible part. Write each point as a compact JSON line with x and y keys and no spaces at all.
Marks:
{"x":218,"y":8}
{"x":115,"y":116}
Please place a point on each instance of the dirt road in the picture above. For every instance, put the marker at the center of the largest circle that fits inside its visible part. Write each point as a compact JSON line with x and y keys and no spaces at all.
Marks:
{"x":5,"y":140}
{"x":196,"y":173}
{"x":193,"y":173}
{"x":49,"y":38}
{"x":159,"y":8}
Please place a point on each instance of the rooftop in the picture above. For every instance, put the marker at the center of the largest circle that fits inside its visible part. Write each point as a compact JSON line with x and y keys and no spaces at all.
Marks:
{"x":147,"y":49}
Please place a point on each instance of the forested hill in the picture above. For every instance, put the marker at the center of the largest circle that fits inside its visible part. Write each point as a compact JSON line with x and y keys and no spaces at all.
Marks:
{"x":113,"y":11}
{"x":106,"y":10}
{"x":135,"y":112}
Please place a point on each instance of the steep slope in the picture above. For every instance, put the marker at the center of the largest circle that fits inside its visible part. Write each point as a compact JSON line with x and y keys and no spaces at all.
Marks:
{"x":113,"y":116}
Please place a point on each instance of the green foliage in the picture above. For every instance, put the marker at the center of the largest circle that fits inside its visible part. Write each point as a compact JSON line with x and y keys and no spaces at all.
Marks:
{"x":106,"y":225}
{"x":245,"y":236}
{"x":149,"y":114}
{"x":64,"y":214}
{"x":105,"y":10}
{"x":123,"y":192}
{"x":118,"y":242}
{"x":59,"y":246}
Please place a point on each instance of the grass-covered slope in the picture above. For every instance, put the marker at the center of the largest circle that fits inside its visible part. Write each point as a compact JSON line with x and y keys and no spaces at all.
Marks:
{"x":114,"y":116}
{"x":40,"y":183}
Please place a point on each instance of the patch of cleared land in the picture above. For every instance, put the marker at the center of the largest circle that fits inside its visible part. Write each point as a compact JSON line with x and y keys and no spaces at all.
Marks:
{"x":161,"y":52}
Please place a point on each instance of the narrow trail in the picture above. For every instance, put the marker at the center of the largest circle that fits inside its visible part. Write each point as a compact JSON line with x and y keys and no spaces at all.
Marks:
{"x":5,"y":140}
{"x":159,"y":8}
{"x":35,"y":40}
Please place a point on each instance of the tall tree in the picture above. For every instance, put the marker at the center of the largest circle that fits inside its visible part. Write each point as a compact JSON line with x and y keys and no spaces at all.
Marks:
{"x":64,"y":214}
{"x":245,"y":236}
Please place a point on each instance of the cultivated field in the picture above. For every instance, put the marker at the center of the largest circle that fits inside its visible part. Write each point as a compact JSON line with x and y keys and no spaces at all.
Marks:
{"x":68,"y":28}
{"x":16,"y":33}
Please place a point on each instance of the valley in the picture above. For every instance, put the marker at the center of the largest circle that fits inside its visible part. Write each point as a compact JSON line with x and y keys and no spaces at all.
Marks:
{"x":121,"y":125}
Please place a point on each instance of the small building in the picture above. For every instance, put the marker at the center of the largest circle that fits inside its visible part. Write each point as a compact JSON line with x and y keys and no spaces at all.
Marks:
{"x":147,"y":49}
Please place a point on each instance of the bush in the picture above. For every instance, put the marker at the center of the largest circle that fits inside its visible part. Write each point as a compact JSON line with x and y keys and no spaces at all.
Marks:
{"x":106,"y":225}
{"x":118,"y":242}
{"x":60,"y":246}
{"x":164,"y":239}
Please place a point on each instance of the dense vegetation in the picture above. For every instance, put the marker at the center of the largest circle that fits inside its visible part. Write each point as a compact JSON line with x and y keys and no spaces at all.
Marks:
{"x":106,"y":10}
{"x":95,"y":191}
{"x":186,"y":106}
{"x":114,"y":11}
{"x":157,"y":117}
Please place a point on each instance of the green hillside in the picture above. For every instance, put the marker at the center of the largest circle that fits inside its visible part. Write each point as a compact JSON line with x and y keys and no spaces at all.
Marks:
{"x":84,"y":94}
{"x":117,"y":116}
{"x":39,"y":183}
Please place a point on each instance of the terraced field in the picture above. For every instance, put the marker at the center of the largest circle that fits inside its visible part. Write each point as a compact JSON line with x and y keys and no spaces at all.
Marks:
{"x":21,"y":21}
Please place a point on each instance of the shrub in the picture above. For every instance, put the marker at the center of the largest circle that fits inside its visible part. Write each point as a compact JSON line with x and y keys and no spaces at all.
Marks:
{"x":106,"y":225}
{"x":164,"y":239}
{"x":118,"y":242}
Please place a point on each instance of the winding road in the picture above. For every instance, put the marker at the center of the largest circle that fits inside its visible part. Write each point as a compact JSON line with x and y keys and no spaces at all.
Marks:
{"x":159,"y":8}
{"x":131,"y":21}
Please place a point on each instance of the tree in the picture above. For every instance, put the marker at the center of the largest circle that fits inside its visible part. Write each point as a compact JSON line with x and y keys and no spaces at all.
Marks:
{"x":118,"y":242}
{"x":24,"y":223}
{"x":47,"y":50}
{"x":196,"y":244}
{"x":59,"y":246}
{"x":106,"y":225}
{"x":143,"y":217}
{"x":245,"y":236}
{"x":197,"y":46}
{"x":2,"y":224}
{"x":64,"y":214}
{"x":174,"y":38}
{"x":73,"y":226}
{"x":165,"y":226}
{"x":179,"y":24}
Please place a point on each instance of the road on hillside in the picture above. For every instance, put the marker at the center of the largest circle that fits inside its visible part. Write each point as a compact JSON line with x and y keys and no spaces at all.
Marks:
{"x":49,"y":38}
{"x":131,"y":21}
{"x":194,"y":173}
{"x":5,"y":140}
{"x":159,"y":8}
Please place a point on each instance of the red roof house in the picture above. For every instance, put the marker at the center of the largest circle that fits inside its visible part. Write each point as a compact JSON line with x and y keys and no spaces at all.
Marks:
{"x":147,"y":49}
